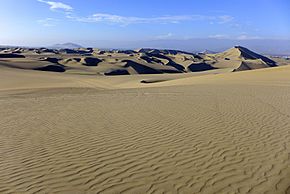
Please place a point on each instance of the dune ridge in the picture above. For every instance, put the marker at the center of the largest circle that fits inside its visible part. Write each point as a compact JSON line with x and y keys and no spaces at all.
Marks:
{"x":91,"y":61}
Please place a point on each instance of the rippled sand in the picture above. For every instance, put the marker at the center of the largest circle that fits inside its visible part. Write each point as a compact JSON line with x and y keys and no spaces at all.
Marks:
{"x":225,"y":133}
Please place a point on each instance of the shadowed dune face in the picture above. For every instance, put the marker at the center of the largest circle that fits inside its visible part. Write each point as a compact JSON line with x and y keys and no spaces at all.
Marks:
{"x":169,"y":62}
{"x":11,"y":55}
{"x":241,"y":59}
{"x":53,"y":68}
{"x":150,"y":81}
{"x":117,"y":72}
{"x":89,"y":61}
{"x":149,"y":59}
{"x":200,"y":67}
{"x":51,"y":59}
{"x":180,"y":68}
{"x":247,"y":54}
{"x":139,"y":68}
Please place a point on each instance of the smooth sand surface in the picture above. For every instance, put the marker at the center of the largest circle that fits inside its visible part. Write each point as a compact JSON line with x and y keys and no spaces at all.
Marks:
{"x":226,"y":133}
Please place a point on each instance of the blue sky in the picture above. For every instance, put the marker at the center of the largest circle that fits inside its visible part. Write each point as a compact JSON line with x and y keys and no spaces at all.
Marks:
{"x":45,"y":22}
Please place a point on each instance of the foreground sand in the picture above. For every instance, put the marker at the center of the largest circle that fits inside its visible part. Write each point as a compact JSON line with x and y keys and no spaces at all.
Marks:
{"x":226,"y":133}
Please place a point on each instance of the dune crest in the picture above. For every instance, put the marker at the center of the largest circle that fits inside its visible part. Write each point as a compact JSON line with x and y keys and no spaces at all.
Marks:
{"x":91,"y":61}
{"x":241,"y":59}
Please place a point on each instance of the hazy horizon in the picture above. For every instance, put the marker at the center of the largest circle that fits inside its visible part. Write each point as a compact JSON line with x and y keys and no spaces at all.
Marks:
{"x":262,"y":46}
{"x":191,"y":26}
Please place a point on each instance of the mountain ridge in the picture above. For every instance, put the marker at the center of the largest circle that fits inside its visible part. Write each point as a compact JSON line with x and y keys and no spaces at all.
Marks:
{"x":68,"y":45}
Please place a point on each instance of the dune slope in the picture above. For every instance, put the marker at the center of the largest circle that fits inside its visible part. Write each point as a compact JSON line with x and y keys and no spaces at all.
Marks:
{"x":226,"y":133}
{"x":90,"y":61}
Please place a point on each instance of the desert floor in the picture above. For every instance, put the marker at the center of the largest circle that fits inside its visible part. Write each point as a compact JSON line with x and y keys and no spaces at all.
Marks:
{"x":226,"y":133}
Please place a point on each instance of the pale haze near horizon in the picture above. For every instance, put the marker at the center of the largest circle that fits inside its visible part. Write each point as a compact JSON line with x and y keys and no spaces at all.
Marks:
{"x":263,"y":25}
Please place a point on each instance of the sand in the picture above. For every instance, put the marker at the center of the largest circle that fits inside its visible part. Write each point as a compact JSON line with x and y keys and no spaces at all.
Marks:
{"x":95,"y":62}
{"x":179,"y":133}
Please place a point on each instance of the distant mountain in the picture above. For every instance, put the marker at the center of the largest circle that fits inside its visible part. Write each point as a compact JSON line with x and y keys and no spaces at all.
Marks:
{"x":160,"y":51}
{"x":207,"y":52}
{"x":66,"y":46}
{"x":264,"y":46}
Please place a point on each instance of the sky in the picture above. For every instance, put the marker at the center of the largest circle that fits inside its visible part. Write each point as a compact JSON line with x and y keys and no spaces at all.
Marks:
{"x":93,"y":22}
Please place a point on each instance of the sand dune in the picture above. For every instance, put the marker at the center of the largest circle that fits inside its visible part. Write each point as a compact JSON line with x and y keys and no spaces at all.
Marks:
{"x":186,"y":133}
{"x":11,"y":55}
{"x":89,"y":61}
{"x":241,"y":59}
{"x":199,"y":67}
